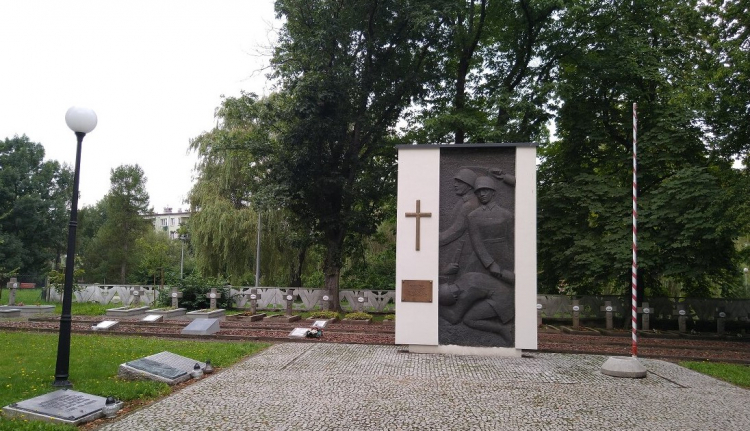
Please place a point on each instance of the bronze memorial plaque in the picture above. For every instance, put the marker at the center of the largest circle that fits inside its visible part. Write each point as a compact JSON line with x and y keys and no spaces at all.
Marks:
{"x":416,"y":291}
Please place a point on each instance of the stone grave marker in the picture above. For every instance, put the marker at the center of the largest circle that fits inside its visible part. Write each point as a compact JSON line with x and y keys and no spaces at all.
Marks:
{"x":136,"y":293}
{"x":202,"y":327}
{"x":721,"y":318}
{"x":645,"y":311}
{"x":254,"y":296}
{"x":576,"y":314}
{"x":212,"y":297}
{"x":176,"y":295}
{"x":289,"y":297}
{"x":681,"y":313}
{"x":106,"y":325}
{"x":360,"y":304}
{"x":298,"y":333}
{"x":539,"y":308}
{"x":325,"y":300}
{"x":609,"y":311}
{"x":164,"y":367}
{"x":12,"y":287}
{"x":63,"y":406}
{"x":153,"y":318}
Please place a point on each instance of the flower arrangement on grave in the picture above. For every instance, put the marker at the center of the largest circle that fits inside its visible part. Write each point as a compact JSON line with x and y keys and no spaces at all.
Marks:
{"x":314,"y":333}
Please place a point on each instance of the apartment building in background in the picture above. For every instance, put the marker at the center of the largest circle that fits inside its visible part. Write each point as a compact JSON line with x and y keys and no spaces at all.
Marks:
{"x":169,"y":221}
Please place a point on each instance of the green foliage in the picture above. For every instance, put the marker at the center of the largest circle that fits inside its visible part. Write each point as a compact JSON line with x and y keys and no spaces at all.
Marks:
{"x":94,"y":361}
{"x":372,"y":263}
{"x":194,"y":289}
{"x":735,"y":374}
{"x":322,"y":314}
{"x":111,"y":255}
{"x":34,"y":195}
{"x":358,"y":315}
{"x":389,"y":317}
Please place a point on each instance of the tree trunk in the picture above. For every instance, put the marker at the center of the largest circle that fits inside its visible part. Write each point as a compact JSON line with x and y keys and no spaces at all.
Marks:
{"x":332,"y":269}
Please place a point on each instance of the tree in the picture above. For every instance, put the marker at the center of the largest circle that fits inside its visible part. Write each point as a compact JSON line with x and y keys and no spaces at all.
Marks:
{"x":226,"y":209}
{"x":112,"y":252}
{"x":628,"y":53}
{"x":349,"y":69}
{"x":493,"y":79}
{"x":33,"y":206}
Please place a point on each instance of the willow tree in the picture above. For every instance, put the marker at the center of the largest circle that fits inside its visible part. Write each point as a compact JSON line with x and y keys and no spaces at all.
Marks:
{"x":225,"y":205}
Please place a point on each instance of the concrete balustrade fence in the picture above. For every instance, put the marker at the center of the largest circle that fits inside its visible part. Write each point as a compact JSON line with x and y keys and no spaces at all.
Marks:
{"x":382,"y":301}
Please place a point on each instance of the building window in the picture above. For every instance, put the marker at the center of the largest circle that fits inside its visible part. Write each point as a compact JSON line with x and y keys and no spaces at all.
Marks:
{"x":171,"y":221}
{"x":163,"y":222}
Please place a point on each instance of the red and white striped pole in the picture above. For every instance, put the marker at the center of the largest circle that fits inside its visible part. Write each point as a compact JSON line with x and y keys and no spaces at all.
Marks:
{"x":635,"y":237}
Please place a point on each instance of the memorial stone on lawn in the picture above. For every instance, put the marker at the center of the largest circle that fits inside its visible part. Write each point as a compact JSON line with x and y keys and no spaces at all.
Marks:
{"x":325,"y":300}
{"x":63,"y":406}
{"x":645,"y":313}
{"x":12,"y":287}
{"x":176,"y":295}
{"x":360,"y":304}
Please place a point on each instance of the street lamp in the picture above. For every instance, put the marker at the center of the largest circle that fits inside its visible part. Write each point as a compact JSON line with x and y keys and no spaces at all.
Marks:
{"x":81,"y":121}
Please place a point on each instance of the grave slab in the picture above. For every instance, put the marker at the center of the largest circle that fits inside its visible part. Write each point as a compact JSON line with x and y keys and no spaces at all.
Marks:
{"x":106,"y":325}
{"x":63,"y":406}
{"x":153,"y":318}
{"x":164,"y":367}
{"x":202,"y":327}
{"x":298,"y":333}
{"x":8,"y":313}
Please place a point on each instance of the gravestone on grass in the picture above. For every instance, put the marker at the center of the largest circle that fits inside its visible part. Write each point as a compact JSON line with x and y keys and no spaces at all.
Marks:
{"x":289,"y":297}
{"x":63,"y":406}
{"x":164,"y":367}
{"x":176,"y":295}
{"x":106,"y":325}
{"x":12,"y":288}
{"x":576,"y":314}
{"x":153,"y":318}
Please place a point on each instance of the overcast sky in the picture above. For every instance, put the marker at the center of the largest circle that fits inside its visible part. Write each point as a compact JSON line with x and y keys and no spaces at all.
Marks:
{"x":152,"y":70}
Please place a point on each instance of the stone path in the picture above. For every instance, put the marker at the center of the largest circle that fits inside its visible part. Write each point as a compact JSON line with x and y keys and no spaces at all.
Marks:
{"x":343,"y":387}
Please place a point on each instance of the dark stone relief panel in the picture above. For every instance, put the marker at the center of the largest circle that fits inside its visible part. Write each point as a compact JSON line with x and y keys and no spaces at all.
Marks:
{"x":477,"y":203}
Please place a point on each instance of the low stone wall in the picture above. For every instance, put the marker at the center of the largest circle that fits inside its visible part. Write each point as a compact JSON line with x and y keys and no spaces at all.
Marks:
{"x":305,"y":299}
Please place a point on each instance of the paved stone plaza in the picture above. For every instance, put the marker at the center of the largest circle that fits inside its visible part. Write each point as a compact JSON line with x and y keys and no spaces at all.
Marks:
{"x":301,"y":386}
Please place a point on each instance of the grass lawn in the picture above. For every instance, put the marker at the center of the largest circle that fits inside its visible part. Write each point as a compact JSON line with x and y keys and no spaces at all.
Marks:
{"x":28,"y":366}
{"x":733,"y":373}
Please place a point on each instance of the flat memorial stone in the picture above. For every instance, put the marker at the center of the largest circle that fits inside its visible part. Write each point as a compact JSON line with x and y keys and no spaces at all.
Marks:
{"x":106,"y":325}
{"x":320,"y":324}
{"x":9,"y":313}
{"x":164,"y":367}
{"x":152,"y":318}
{"x":202,"y":327}
{"x":298,"y":333}
{"x":63,"y":406}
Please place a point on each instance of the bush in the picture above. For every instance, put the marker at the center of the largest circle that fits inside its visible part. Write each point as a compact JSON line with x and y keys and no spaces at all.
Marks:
{"x":194,"y":289}
{"x":389,"y":317}
{"x":359,"y":315}
{"x":324,"y":315}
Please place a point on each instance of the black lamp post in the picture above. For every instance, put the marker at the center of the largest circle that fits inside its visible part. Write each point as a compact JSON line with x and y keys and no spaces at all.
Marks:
{"x":81,"y":121}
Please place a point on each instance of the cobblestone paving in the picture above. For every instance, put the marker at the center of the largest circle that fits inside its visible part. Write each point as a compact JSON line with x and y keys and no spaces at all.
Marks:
{"x":344,"y":387}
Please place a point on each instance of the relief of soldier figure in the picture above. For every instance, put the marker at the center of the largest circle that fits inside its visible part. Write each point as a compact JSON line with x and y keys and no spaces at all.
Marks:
{"x":476,"y":292}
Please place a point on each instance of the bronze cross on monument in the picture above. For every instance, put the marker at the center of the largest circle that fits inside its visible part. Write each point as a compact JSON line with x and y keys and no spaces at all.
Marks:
{"x":418,"y":215}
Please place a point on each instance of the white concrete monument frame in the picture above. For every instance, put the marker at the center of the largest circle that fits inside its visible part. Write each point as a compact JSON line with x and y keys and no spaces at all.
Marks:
{"x":419,"y":180}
